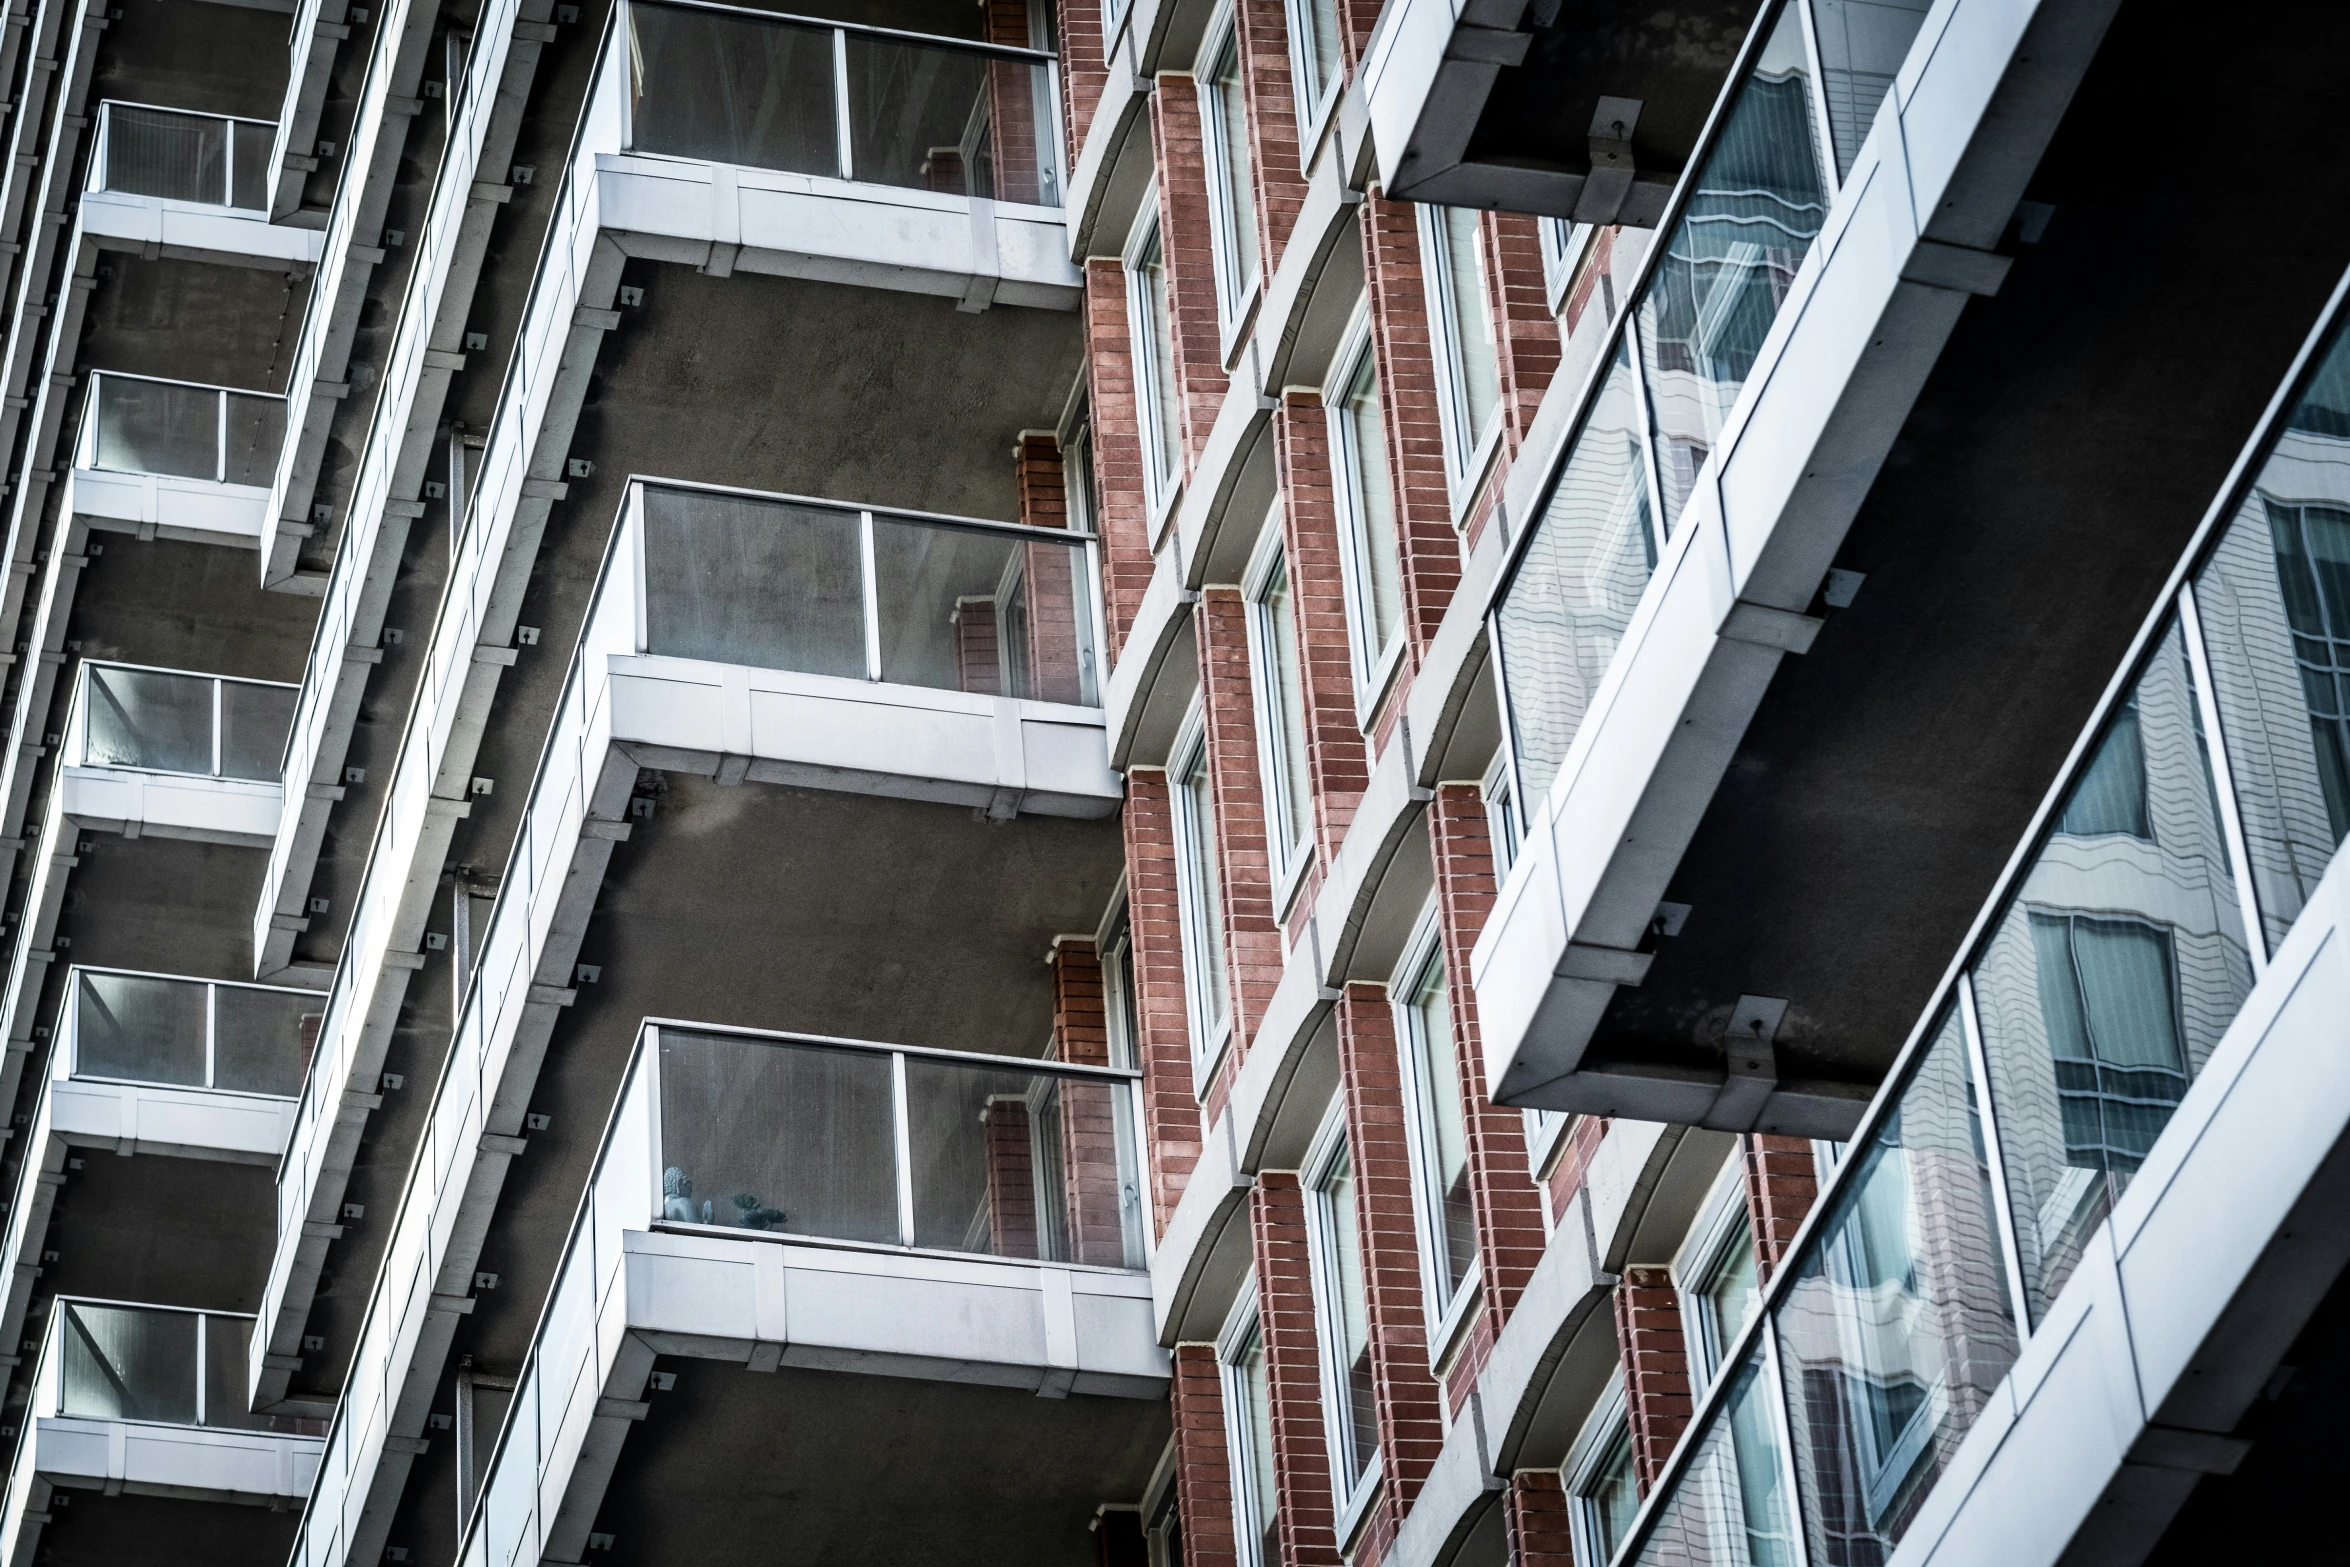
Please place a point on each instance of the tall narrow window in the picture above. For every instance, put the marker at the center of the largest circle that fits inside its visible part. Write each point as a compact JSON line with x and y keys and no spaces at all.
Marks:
{"x":1248,"y":1435}
{"x":1468,"y":366}
{"x":1716,"y":1276}
{"x":1438,"y":1124}
{"x":1351,"y":1422}
{"x":1281,"y":705}
{"x":1199,"y":894}
{"x":1373,"y":554}
{"x":1233,"y":211}
{"x":1314,"y":63}
{"x":1150,"y":323}
{"x":1603,"y":1492}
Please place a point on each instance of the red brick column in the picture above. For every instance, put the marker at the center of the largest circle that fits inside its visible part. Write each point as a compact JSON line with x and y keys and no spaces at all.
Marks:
{"x":1510,"y":1235}
{"x":1581,"y":1146}
{"x":1089,"y":1127}
{"x":1084,"y":68}
{"x":1415,"y":430}
{"x":1535,"y":1520}
{"x":1656,"y":1367}
{"x":1526,"y":334}
{"x":1055,"y":670}
{"x":1357,"y":19}
{"x":1335,"y":760}
{"x":1260,"y":31}
{"x":1185,"y":244}
{"x":1252,"y":941}
{"x":1121,"y":515}
{"x":1203,"y":1472}
{"x":977,"y":666}
{"x":1293,"y":1370}
{"x":1782,"y":1182}
{"x":1011,"y":1177}
{"x":1012,"y":107}
{"x":1170,"y":1109}
{"x":1411,"y":1424}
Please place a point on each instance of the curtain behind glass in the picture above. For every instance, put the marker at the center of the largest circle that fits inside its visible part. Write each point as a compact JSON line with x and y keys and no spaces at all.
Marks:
{"x":1228,"y":123}
{"x":1202,"y":891}
{"x":1468,"y":317}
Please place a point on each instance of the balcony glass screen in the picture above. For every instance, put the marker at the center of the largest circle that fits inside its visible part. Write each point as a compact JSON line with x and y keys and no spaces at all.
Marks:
{"x":184,"y":431}
{"x":141,"y":1028}
{"x":122,"y":1363}
{"x":758,"y":582}
{"x":204,"y":158}
{"x":167,"y":721}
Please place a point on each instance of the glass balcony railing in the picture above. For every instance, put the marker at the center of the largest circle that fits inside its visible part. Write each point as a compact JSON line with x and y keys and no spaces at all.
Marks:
{"x":189,"y":1033}
{"x":212,"y":159}
{"x":156,"y":1364}
{"x":2169,"y":866}
{"x":868,"y":594}
{"x":171,"y":721}
{"x":1743,"y":220}
{"x":895,"y":1146}
{"x":855,"y":103}
{"x":139,"y":424}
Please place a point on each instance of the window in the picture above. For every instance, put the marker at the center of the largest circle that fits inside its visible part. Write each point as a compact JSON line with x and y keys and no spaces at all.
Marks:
{"x":2111,"y":796}
{"x":1563,"y":244}
{"x":1150,"y":326}
{"x":1502,"y":828}
{"x":1460,"y":316}
{"x":1199,"y":894}
{"x":1343,"y":1325}
{"x":1162,"y":1536}
{"x":1248,"y":1436}
{"x":1314,"y":63}
{"x":1232,"y":208}
{"x":1717,"y":1276}
{"x":2108,"y":990}
{"x":1372,"y":554}
{"x":1119,"y":1024}
{"x":1281,"y":705}
{"x":1438,"y":1127}
{"x":1603,"y":1493}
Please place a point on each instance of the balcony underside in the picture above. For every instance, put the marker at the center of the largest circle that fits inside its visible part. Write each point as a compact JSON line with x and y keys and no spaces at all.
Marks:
{"x":94,"y":1527}
{"x":2011,"y":535}
{"x":164,"y":506}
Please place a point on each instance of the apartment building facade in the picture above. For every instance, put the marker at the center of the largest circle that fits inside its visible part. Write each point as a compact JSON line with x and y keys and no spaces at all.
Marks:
{"x":1239,"y":782}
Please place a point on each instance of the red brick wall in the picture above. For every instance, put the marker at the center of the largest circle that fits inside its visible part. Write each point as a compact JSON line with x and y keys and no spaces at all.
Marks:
{"x":1184,"y":240}
{"x":1252,"y":940}
{"x":1120,"y":517}
{"x":1411,"y":1425}
{"x":1526,"y":334}
{"x":1335,"y":758}
{"x":1171,"y":1117}
{"x":1012,"y":107}
{"x":1260,"y":28}
{"x":1084,"y":69}
{"x":1081,"y":1033}
{"x":1203,"y":1474}
{"x":976,"y":645}
{"x":1573,"y":1161}
{"x":1656,"y":1367}
{"x":1089,"y":1128}
{"x":1535,"y":1520}
{"x":1011,"y":1180}
{"x":1293,"y":1372}
{"x":1781,"y":1184}
{"x":1415,"y":433}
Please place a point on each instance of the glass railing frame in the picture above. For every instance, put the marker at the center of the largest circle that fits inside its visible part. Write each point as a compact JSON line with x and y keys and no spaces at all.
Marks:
{"x":77,"y":724}
{"x":1622,"y":339}
{"x":69,"y":1029}
{"x":52,"y":1336}
{"x":86,"y":442}
{"x":2174,"y":605}
{"x":1089,"y":543}
{"x":649,"y":1043}
{"x":101,"y":122}
{"x":1050,"y":123}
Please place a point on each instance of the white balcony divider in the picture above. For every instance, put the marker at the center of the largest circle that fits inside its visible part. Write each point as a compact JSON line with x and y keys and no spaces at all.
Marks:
{"x":210,"y":160}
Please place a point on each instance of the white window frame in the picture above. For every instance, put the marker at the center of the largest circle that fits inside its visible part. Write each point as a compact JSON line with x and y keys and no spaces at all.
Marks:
{"x":1723,"y":1225}
{"x":1314,"y":99}
{"x":1210,"y":1035}
{"x":1564,"y":245}
{"x":1373,"y":665}
{"x":1448,"y":1308}
{"x":1239,"y":278}
{"x":1608,"y":1425}
{"x":1322,"y":1255}
{"x":1246,"y":1322}
{"x":1270,"y":557}
{"x":1466,"y":459}
{"x":1159,"y":489}
{"x":1505,"y":829}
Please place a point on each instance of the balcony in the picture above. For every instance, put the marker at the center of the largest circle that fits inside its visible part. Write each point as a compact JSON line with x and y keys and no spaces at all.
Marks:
{"x":176,"y":460}
{"x":175,"y":754}
{"x":190,"y":185}
{"x":148,"y":1401}
{"x":826,"y":150}
{"x":806,"y":1207}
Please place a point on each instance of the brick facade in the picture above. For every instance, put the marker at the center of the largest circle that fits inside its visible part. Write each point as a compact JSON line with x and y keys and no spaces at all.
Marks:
{"x":1121,"y":515}
{"x":1336,"y":762}
{"x":1188,"y":250}
{"x":1782,"y":1182}
{"x":1657,"y":1403}
{"x":1203,"y":1471}
{"x":1252,"y":942}
{"x":1171,"y":1112}
{"x":1260,"y":28}
{"x":1293,"y":1370}
{"x":1534,"y":1520}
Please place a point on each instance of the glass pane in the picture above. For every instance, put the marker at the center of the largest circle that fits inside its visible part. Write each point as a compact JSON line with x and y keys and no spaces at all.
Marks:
{"x":1729,"y":1508}
{"x":259,"y":1044}
{"x":1730,"y":1295}
{"x":2275,"y":605}
{"x":922,"y":117}
{"x":1476,"y":371}
{"x":249,"y":170}
{"x":1159,"y":363}
{"x":965,"y":610}
{"x":1608,"y":1500}
{"x":122,"y":1363}
{"x":1342,"y":1245}
{"x":148,"y":718}
{"x":1091,"y":1164}
{"x":1375,"y":550}
{"x":159,"y":427}
{"x":1201,"y":889}
{"x":154,"y":152}
{"x":1005,"y":1166}
{"x":1444,"y":1132}
{"x":226,"y":1389}
{"x":1287,"y":697}
{"x":766,"y":583}
{"x":254,"y":723}
{"x":1755,"y":208}
{"x":1322,"y":48}
{"x":762,"y":1135}
{"x":142,"y":1029}
{"x":1235,"y":195}
{"x":1256,"y":1414}
{"x":1898,"y":1327}
{"x":1862,"y":45}
{"x":2110,"y":979}
{"x":256,"y":432}
{"x":729,"y":88}
{"x":1576,"y":585}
